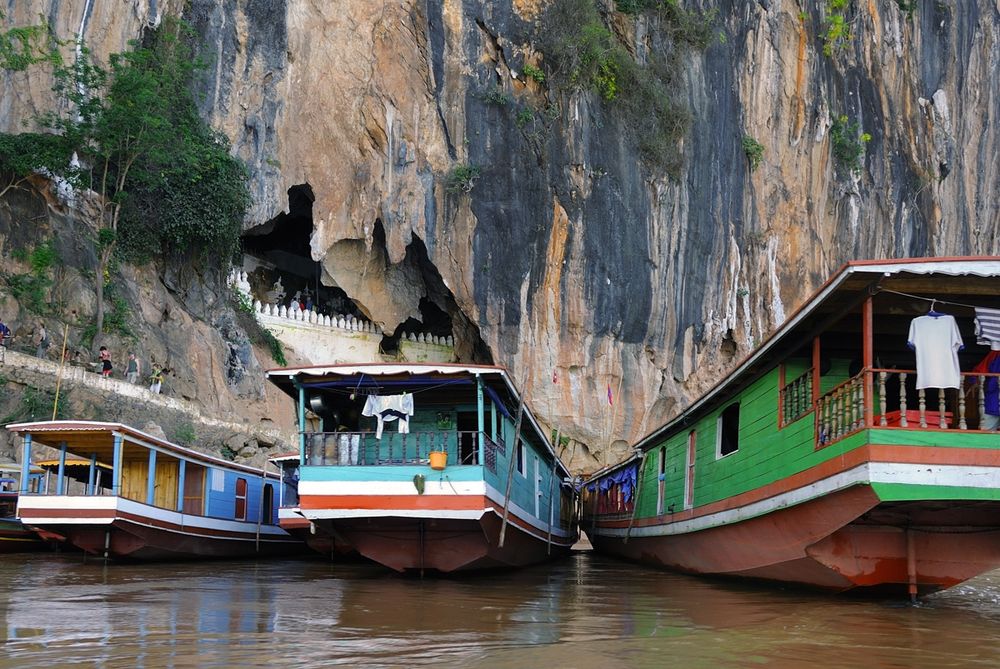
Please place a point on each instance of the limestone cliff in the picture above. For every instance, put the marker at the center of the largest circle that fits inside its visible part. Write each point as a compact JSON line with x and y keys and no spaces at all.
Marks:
{"x":569,"y":259}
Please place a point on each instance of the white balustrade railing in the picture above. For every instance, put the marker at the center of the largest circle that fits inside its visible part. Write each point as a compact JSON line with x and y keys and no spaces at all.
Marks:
{"x":239,"y":280}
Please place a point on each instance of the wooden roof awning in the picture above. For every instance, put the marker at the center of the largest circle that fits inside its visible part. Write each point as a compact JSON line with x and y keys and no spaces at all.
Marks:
{"x":86,"y":438}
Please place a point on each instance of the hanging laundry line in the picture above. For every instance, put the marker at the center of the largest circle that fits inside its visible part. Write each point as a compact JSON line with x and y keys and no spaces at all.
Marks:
{"x":931,"y":299}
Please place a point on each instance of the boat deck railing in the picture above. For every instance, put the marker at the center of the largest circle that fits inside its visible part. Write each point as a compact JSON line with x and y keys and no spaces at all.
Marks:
{"x":464,"y":447}
{"x":880,"y":398}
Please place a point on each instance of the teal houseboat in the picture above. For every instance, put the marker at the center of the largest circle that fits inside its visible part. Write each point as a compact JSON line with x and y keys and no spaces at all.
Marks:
{"x":428,"y":467}
{"x":856,"y":448}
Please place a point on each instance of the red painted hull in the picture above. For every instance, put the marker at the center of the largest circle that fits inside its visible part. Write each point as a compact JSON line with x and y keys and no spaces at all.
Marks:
{"x":444,"y":545}
{"x":127,"y":540}
{"x":318,"y":541}
{"x":842,"y":541}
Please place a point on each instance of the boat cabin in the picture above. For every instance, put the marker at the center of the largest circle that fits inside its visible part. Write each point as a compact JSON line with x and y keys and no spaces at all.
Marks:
{"x":842,"y":368}
{"x":115,"y":491}
{"x":415,"y":465}
{"x":114,"y":460}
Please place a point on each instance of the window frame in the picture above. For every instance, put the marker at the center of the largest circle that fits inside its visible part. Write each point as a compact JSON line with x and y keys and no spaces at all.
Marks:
{"x":661,"y":483}
{"x":690,"y":458}
{"x":720,"y":424}
{"x":238,"y":498}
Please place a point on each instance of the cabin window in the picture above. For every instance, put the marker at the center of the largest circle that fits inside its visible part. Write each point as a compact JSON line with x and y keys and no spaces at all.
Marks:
{"x":689,"y":476}
{"x":241,"y":499}
{"x":661,"y":481}
{"x":521,"y":459}
{"x":727,"y":439}
{"x":267,"y":505}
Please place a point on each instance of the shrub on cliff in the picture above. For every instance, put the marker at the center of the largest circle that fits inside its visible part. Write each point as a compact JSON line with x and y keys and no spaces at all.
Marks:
{"x":167,"y":182}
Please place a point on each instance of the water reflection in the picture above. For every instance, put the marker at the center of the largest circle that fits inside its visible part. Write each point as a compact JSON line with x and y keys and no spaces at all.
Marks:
{"x":583,"y":612}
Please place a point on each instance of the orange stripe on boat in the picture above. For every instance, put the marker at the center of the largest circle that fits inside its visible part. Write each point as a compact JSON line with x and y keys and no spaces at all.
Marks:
{"x":402,"y":502}
{"x":917,"y":455}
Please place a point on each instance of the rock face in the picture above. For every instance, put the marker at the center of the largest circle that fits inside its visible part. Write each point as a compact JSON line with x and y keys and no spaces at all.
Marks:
{"x":569,"y":260}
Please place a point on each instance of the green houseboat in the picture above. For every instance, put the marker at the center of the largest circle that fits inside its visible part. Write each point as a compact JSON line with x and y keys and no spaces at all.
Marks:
{"x":856,"y":448}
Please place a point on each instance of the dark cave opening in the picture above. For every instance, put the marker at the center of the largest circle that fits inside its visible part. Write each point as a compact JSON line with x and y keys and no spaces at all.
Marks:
{"x":279,"y":265}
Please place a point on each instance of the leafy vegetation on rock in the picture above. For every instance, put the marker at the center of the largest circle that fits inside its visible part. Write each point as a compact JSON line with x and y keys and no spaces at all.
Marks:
{"x":583,"y":53}
{"x":31,"y":288}
{"x":754,"y":151}
{"x":23,"y":46}
{"x":837,"y":32}
{"x":848,"y":143}
{"x":462,"y":178}
{"x":533,"y":72}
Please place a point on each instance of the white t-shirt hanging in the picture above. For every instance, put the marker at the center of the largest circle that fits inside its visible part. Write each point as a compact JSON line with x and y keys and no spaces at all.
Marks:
{"x":937,"y":341}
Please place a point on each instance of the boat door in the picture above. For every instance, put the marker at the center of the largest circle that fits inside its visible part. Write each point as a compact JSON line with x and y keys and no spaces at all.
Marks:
{"x":467,"y":422}
{"x":267,"y":505}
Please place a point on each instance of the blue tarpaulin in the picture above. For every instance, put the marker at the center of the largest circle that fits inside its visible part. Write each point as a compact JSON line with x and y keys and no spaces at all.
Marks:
{"x":625,"y":477}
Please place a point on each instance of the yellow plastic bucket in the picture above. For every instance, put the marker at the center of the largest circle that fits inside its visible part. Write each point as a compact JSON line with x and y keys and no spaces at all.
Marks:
{"x":439,"y":459}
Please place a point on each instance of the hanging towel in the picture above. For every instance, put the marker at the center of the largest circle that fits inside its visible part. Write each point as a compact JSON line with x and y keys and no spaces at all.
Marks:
{"x":987,"y":325}
{"x":385,"y":408}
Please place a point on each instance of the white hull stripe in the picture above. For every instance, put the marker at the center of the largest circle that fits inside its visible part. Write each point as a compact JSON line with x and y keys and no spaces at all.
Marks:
{"x":375,"y":488}
{"x":335,"y":488}
{"x":94,"y":503}
{"x":875,"y":472}
{"x":559,"y":536}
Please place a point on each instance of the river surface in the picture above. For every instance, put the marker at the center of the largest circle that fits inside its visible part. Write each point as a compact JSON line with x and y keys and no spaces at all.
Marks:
{"x":584,"y":612}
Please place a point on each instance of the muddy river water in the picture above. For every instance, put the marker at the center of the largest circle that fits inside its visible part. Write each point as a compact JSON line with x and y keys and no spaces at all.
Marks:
{"x":586,"y":611}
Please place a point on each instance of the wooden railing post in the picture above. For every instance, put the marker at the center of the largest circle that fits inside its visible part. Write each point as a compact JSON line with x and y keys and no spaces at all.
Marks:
{"x":982,"y":399}
{"x":867,"y":362}
{"x":882,"y":404}
{"x":902,"y":399}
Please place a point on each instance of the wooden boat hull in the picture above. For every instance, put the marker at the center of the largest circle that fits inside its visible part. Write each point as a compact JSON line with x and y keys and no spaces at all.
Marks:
{"x":16,"y":538}
{"x":123,"y":529}
{"x":842,"y":541}
{"x":445,"y":544}
{"x":317,"y":540}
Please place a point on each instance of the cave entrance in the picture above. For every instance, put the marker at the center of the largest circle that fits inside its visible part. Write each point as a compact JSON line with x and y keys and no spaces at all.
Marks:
{"x":277,"y":257}
{"x":436,"y":306}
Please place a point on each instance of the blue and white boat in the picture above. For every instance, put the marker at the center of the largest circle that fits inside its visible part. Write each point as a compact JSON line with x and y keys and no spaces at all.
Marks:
{"x":118,"y":492}
{"x":418,"y":468}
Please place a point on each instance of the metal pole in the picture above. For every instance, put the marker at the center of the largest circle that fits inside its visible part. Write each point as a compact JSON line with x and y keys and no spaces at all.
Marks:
{"x":62,"y":362}
{"x":552,"y":479}
{"x":481,"y":421}
{"x":62,"y":468}
{"x":151,"y":478}
{"x":25,"y":463}
{"x":638,"y":487}
{"x":181,"y":475}
{"x":511,"y":460}
{"x":91,"y":478}
{"x":260,"y":504}
{"x":302,"y":422}
{"x":116,"y":475}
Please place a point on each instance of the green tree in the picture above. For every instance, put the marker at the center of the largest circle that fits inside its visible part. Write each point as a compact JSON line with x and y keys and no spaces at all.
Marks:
{"x":28,"y":153}
{"x":166,"y":181}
